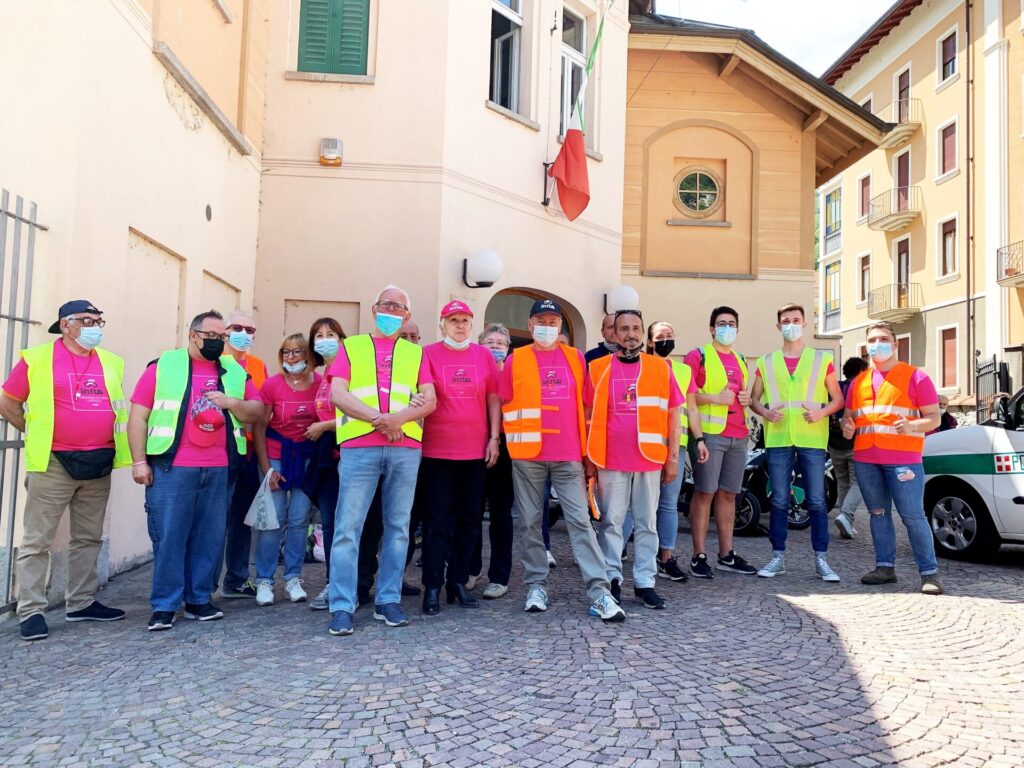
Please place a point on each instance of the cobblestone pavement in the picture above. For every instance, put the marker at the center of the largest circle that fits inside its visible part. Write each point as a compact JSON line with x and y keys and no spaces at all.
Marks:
{"x":738,"y":671}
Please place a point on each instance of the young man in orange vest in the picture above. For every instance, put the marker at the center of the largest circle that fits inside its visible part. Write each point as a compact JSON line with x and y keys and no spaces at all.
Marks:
{"x":633,"y":402}
{"x":541,"y":389}
{"x":889,"y":409}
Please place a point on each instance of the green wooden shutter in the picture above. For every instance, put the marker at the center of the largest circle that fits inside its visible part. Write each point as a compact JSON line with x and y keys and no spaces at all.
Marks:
{"x":350,"y":33}
{"x":315,"y":36}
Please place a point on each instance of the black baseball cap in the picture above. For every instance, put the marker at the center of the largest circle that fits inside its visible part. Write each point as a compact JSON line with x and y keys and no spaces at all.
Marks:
{"x":544,"y":306}
{"x":73,"y":308}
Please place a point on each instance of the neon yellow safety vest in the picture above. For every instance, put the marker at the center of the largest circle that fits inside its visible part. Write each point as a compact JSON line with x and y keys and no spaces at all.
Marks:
{"x":682,"y":373}
{"x":405,"y":373}
{"x":173,"y":387}
{"x":712,"y":415}
{"x":39,"y":416}
{"x":790,"y":393}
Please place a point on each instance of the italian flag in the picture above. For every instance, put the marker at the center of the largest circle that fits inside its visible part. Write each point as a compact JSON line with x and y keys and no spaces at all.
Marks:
{"x":570,"y":167}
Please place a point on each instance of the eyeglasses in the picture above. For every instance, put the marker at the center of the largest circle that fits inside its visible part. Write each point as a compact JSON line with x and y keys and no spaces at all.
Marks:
{"x":726,"y":324}
{"x":247,"y":328}
{"x":88,"y":322}
{"x":392,"y":306}
{"x":212,"y":335}
{"x":293,"y":353}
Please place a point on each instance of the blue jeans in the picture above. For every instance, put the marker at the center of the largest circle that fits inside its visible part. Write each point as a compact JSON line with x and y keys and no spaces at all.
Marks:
{"x":811,"y":463}
{"x":880,"y":486}
{"x":668,"y":515}
{"x":293,"y":515}
{"x":359,"y":471}
{"x":187,"y":517}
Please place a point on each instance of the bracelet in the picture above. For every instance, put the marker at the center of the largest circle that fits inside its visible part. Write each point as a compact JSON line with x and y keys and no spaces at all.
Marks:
{"x":139,"y":463}
{"x":495,"y":437}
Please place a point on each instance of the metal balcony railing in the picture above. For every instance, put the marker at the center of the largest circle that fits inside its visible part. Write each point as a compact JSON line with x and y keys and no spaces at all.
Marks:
{"x":1010,"y":263}
{"x":833,"y":321}
{"x":833,"y":241}
{"x":900,"y":204}
{"x":895,"y":300}
{"x":901,"y":111}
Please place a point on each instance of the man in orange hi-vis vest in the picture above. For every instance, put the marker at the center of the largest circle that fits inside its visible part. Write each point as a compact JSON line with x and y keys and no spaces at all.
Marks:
{"x":541,"y":389}
{"x":889,"y":409}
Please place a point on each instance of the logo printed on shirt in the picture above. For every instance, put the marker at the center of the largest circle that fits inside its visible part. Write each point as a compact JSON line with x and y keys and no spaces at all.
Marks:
{"x":623,"y":396}
{"x":460,"y":381}
{"x":88,"y":393}
{"x":554,"y":380}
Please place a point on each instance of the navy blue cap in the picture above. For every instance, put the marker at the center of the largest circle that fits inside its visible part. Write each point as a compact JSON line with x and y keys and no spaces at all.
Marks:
{"x":73,"y":308}
{"x":543,"y":306}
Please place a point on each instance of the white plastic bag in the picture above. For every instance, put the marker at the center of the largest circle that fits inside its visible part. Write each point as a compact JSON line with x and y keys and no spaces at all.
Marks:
{"x":262,"y":514}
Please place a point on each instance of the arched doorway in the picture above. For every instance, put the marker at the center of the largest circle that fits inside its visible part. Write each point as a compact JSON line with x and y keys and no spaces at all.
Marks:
{"x":511,"y":307}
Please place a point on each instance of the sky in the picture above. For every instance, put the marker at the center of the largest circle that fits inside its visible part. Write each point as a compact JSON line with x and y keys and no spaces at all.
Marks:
{"x":813,"y":33}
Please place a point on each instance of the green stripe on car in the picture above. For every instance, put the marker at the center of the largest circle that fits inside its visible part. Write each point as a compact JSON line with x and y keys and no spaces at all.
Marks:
{"x":960,"y":464}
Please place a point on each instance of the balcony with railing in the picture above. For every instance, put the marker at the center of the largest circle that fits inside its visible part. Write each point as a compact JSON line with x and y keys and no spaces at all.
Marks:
{"x":833,"y":241}
{"x":905,"y":114}
{"x":895,"y":302}
{"x":895,"y":209}
{"x":833,"y":321}
{"x":1010,"y":263}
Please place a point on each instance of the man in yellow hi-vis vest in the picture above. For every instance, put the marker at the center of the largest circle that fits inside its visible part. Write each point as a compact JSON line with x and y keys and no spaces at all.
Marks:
{"x":66,"y":397}
{"x":795,"y":391}
{"x":374,"y":382}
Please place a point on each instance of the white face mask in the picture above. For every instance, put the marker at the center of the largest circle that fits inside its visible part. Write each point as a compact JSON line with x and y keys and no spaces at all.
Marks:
{"x":942,"y":411}
{"x":545,"y":335}
{"x":792,"y":331}
{"x":298,"y":367}
{"x":453,"y":344}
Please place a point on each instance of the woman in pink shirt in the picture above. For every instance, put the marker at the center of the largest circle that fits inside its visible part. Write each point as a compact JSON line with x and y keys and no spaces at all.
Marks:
{"x":284,"y":450}
{"x":460,"y":440}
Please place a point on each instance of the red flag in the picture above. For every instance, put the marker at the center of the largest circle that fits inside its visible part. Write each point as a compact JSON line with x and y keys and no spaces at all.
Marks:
{"x":570,"y":171}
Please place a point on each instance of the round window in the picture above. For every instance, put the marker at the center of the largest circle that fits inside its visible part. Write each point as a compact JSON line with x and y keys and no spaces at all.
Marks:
{"x":698,"y":192}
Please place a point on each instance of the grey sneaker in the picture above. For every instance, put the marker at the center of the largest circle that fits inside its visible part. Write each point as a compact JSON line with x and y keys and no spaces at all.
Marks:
{"x":930,"y":585}
{"x":319,"y":603}
{"x":845,"y":526}
{"x":774,"y":567}
{"x":536,"y":600}
{"x":823,"y":569}
{"x":883,"y":574}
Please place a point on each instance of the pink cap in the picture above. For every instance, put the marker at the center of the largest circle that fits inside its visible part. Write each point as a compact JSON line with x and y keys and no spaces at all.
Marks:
{"x":454,"y":308}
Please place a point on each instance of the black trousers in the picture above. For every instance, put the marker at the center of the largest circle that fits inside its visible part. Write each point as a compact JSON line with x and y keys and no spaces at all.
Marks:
{"x":500,"y":498}
{"x":454,"y":493}
{"x":373,"y":532}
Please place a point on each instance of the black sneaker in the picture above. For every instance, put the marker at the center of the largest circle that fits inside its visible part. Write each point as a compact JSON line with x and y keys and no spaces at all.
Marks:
{"x":616,"y":590}
{"x":735,"y":564}
{"x":408,"y":590}
{"x":161,"y":620}
{"x":34,"y":628}
{"x":670,"y":570}
{"x":699,"y":567}
{"x":246,"y":590}
{"x":649,"y":598}
{"x":204,"y":612}
{"x":96,"y":612}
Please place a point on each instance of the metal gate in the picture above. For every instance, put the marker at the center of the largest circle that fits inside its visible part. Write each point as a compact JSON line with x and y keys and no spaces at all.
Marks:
{"x":17,"y":244}
{"x":990,"y":378}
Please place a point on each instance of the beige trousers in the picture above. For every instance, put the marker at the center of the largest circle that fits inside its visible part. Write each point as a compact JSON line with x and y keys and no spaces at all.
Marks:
{"x":49,"y":494}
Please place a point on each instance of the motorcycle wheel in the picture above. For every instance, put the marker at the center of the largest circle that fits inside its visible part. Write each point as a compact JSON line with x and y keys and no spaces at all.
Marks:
{"x":748,"y":514}
{"x":799,"y":517}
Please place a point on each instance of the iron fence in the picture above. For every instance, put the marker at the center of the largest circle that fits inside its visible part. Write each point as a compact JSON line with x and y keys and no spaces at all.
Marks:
{"x":990,"y":378}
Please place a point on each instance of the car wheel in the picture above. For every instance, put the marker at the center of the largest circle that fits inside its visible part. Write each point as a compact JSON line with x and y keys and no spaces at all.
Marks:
{"x":960,"y":522}
{"x":748,"y":514}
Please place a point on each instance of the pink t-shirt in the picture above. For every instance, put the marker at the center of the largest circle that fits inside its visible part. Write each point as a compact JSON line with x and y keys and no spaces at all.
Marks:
{"x":342,"y":369}
{"x":736,"y":422}
{"x":623,"y":448}
{"x":204,"y":379}
{"x":558,"y":389}
{"x":458,"y":427}
{"x":922,"y":392}
{"x":82,"y":417}
{"x":322,"y":401}
{"x":293,"y":411}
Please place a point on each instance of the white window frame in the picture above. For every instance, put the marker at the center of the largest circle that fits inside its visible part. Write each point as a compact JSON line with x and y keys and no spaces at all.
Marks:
{"x":871,"y":97}
{"x":940,"y":176}
{"x":953,"y":388}
{"x":955,"y":274}
{"x":516,"y":35}
{"x":862,"y":217}
{"x":836,"y":185}
{"x":910,"y":345}
{"x":940,"y":84}
{"x":910,"y":168}
{"x":867,"y":295}
{"x":895,"y":258}
{"x":824,"y":281}
{"x":571,"y":57}
{"x":896,"y":89}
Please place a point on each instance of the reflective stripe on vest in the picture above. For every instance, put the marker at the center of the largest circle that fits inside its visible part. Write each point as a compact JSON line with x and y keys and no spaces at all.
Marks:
{"x":791,"y":394}
{"x":39,"y":414}
{"x":652,"y":387}
{"x":713,"y":416}
{"x":406,"y":358}
{"x":521,"y":416}
{"x":875,"y":414}
{"x":173,"y":387}
{"x":683,"y":375}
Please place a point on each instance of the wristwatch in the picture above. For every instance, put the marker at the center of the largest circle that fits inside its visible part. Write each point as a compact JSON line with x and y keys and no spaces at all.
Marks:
{"x":699,"y":439}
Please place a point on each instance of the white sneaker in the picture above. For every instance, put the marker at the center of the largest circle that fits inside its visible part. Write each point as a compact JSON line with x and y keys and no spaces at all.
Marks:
{"x":264,"y":592}
{"x":319,"y":603}
{"x":471,"y":581}
{"x":295,"y":591}
{"x":536,"y":600}
{"x":774,"y":567}
{"x":551,"y":559}
{"x":493,"y":591}
{"x":606,"y":609}
{"x":845,"y":526}
{"x":824,"y":570}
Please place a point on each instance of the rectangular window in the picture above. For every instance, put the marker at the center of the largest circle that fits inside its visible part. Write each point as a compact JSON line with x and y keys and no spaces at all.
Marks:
{"x":833,"y":221}
{"x":333,"y":36}
{"x":947,"y":136}
{"x":864,"y":202}
{"x":832,"y":287}
{"x":506,"y":44}
{"x":948,"y":351}
{"x":947,"y":257}
{"x":903,"y":96}
{"x":574,"y":64}
{"x":864,"y":285}
{"x":903,"y":349}
{"x":948,"y":54}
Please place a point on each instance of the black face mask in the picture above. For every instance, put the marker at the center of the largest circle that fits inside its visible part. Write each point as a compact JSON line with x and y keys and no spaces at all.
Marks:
{"x":212,"y":349}
{"x":630,"y":355}
{"x":664,"y":347}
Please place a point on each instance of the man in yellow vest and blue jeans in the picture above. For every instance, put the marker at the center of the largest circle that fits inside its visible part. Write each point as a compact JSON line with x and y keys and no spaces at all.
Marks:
{"x":373,"y":381}
{"x":66,"y":397}
{"x":187,"y":436}
{"x":795,"y":391}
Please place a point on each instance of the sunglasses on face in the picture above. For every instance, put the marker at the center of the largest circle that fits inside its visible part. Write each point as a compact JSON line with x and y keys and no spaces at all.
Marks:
{"x":236,"y":328}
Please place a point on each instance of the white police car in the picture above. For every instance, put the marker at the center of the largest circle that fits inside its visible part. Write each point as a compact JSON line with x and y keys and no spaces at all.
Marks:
{"x":974,"y":487}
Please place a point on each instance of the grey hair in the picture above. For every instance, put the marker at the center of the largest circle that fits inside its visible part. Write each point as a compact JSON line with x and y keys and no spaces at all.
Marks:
{"x":389,"y":287}
{"x":237,"y":313}
{"x":494,"y":328}
{"x":197,"y":321}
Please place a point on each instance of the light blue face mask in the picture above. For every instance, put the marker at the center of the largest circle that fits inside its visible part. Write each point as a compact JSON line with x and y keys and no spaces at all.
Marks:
{"x":326,"y":347}
{"x":499,"y":355}
{"x":792,"y":331}
{"x":240,"y":340}
{"x":90,"y":338}
{"x":725,"y":334}
{"x":388,"y":324}
{"x":880,"y":351}
{"x":298,"y":367}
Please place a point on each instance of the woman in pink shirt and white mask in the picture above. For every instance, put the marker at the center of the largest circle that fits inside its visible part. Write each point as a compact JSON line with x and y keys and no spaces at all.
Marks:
{"x":460,"y":441}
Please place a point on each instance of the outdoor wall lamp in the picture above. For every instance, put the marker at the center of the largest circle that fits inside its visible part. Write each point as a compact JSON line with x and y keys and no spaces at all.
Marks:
{"x":482,"y":269}
{"x":623,"y":297}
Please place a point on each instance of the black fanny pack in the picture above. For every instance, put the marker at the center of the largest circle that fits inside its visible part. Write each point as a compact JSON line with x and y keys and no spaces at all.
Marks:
{"x":87,"y":465}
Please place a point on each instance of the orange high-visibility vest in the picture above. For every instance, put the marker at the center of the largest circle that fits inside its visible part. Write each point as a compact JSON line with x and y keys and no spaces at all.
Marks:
{"x":652,"y":392}
{"x":522,"y":414}
{"x":256,"y":369}
{"x":874,"y":414}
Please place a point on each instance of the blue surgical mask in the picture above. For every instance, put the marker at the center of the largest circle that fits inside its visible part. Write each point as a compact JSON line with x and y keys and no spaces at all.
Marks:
{"x":90,"y":338}
{"x":880,"y":351}
{"x":792,"y":332}
{"x":240,"y":340}
{"x":725,"y":334}
{"x":298,"y":367}
{"x":326,"y":347}
{"x":453,"y":344}
{"x":545,"y":335}
{"x":499,"y":355}
{"x":388,"y":324}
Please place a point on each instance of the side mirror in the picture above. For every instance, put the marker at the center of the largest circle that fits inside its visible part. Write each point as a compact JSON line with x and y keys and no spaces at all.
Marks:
{"x":1000,"y":410}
